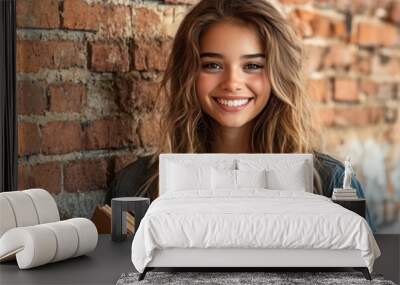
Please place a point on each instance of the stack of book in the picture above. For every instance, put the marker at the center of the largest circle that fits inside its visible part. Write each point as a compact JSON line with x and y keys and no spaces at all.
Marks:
{"x":344,"y":194}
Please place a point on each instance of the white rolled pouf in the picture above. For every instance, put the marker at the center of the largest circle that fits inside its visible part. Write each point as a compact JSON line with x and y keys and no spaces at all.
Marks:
{"x":67,"y":240}
{"x":40,"y":244}
{"x":46,"y":207}
{"x":7,"y":218}
{"x":87,"y":234}
{"x":23,"y":208}
{"x":32,"y":246}
{"x":31,"y":230}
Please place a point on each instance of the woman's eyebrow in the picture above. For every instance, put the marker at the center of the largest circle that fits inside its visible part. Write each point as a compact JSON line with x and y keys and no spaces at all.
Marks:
{"x":218,"y":55}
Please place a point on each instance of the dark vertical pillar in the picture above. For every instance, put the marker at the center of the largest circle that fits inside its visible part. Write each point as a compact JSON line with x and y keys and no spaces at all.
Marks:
{"x":8,"y":116}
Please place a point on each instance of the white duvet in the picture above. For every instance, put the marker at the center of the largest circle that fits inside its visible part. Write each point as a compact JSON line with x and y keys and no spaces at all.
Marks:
{"x":251,"y":218}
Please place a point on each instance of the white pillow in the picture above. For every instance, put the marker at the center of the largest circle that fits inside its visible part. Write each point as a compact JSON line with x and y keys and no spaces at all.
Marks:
{"x":235,"y":179}
{"x":251,"y":178}
{"x":282,"y":174}
{"x":183,"y":178}
{"x":223,"y":179}
{"x":292,"y":179}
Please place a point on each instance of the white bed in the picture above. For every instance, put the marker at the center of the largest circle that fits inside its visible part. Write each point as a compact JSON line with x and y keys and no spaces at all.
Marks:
{"x":214,"y":223}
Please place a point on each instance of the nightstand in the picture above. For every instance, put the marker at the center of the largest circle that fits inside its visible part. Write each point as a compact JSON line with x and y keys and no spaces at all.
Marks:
{"x":355,"y":205}
{"x":119,"y":206}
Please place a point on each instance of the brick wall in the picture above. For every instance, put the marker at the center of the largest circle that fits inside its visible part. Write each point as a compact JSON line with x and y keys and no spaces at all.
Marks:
{"x":88,"y":71}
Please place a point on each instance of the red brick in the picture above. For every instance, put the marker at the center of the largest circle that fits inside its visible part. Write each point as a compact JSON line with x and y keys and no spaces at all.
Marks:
{"x":134,"y":95}
{"x":47,"y":176}
{"x":369,"y":87}
{"x":28,"y":139}
{"x":44,"y":175}
{"x":31,"y":15}
{"x":33,"y":55}
{"x":324,"y":116}
{"x":388,"y":34}
{"x":302,"y":28}
{"x":394,"y":12}
{"x":61,"y":137}
{"x":386,"y":91}
{"x":116,"y":21}
{"x":113,"y":133}
{"x":31,"y":97}
{"x":304,"y":15}
{"x":351,"y":116}
{"x":188,"y":2}
{"x":314,"y":57}
{"x":85,"y":175}
{"x":145,"y":21}
{"x":23,"y":177}
{"x":339,"y":55}
{"x":352,"y":6}
{"x":385,"y":65}
{"x":324,"y":3}
{"x":110,"y":20}
{"x":358,"y":116}
{"x":366,"y":33}
{"x":320,"y":89}
{"x":360,"y":6}
{"x":375,"y":33}
{"x":295,"y":2}
{"x":122,"y":161}
{"x":362,"y":63}
{"x":321,"y":25}
{"x":79,"y":15}
{"x":109,"y":57}
{"x":151,"y":55}
{"x":345,"y":89}
{"x":301,"y":22}
{"x":340,"y":30}
{"x":376,"y":114}
{"x":149,"y":129}
{"x":67,"y":97}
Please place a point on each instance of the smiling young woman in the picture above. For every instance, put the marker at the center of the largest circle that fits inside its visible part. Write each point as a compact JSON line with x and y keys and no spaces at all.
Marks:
{"x":234,"y":83}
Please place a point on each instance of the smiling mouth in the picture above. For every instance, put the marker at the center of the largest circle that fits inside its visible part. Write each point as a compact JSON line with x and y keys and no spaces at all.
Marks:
{"x":232,"y":105}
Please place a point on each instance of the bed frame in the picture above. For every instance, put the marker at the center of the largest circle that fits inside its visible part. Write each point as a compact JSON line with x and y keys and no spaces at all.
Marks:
{"x":248,"y":258}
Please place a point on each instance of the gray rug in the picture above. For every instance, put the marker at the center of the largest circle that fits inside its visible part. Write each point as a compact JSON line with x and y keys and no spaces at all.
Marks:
{"x":229,"y":278}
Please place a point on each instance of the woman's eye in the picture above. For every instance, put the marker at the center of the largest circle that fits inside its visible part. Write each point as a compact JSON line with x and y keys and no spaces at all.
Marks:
{"x":211,"y":65}
{"x":253,"y":66}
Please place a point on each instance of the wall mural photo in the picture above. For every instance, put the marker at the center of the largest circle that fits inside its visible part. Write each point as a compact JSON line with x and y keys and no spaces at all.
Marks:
{"x":89,"y":103}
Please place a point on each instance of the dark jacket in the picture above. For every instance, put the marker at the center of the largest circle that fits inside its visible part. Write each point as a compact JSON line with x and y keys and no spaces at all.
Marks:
{"x":129,"y":179}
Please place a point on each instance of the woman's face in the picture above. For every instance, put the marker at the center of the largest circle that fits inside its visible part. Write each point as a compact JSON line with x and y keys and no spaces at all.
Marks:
{"x":232,"y":85}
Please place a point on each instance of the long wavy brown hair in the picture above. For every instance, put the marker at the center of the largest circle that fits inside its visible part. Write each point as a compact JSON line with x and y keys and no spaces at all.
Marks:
{"x":283,"y":126}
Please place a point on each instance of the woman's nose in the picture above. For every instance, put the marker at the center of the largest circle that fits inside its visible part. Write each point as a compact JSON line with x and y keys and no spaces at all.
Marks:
{"x":232,"y":80}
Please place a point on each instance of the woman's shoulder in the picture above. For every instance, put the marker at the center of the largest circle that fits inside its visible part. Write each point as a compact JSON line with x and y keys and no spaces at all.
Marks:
{"x":128,"y":180}
{"x":135,"y":169}
{"x":329,"y":169}
{"x":327,"y":161}
{"x":327,"y":165}
{"x":139,"y":164}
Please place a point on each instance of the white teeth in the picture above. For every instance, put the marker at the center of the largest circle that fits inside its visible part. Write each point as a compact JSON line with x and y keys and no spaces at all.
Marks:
{"x":233,"y":103}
